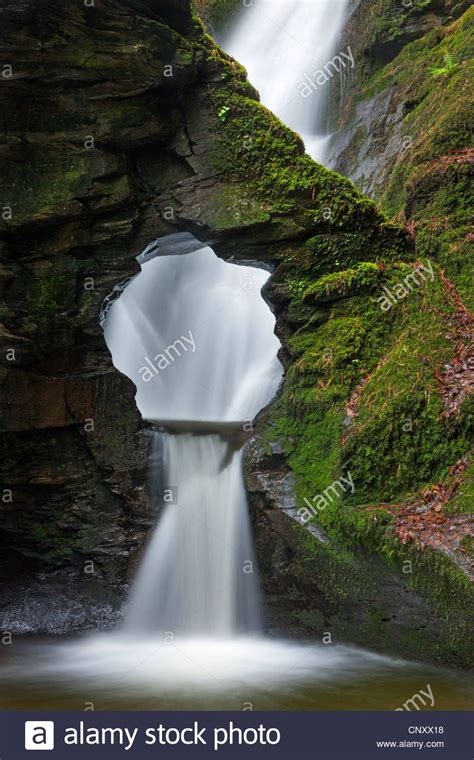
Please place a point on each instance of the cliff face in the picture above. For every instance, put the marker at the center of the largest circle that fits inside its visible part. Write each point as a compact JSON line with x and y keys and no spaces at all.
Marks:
{"x":75,"y":104}
{"x":112,"y":137}
{"x":404,"y":136}
{"x":125,"y":123}
{"x":403,"y":131}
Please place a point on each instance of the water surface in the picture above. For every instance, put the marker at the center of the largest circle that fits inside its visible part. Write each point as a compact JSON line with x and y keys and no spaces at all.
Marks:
{"x":113,"y":671}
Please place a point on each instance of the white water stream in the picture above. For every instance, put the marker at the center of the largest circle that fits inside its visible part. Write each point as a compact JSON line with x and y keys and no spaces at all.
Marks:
{"x":192,"y":578}
{"x":196,"y":337}
{"x":284,"y":44}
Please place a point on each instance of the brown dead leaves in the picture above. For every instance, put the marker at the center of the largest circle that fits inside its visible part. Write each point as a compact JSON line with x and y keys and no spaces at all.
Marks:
{"x":456,"y":379}
{"x":424,"y":522}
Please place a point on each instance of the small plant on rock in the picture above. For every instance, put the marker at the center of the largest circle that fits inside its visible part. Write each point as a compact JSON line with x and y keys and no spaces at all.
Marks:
{"x":437,"y":71}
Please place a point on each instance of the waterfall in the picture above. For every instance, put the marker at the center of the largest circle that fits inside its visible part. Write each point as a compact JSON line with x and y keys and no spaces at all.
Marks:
{"x":193,"y":578}
{"x":197,"y":339}
{"x":284,"y":45}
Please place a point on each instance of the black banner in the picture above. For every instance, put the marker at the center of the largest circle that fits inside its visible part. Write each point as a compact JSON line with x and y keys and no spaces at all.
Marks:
{"x":278,"y":735}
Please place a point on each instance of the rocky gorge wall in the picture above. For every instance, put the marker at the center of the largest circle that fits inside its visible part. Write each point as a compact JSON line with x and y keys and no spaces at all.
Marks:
{"x":402,"y":128}
{"x":401,"y":132}
{"x":125,"y":123}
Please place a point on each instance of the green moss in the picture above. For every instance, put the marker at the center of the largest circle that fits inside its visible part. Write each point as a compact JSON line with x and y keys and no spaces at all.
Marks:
{"x":330,"y":358}
{"x":33,"y":199}
{"x":52,"y":292}
{"x":231,"y":210}
{"x":348,"y":574}
{"x":452,"y":595}
{"x":399,"y":442}
{"x":339,"y":284}
{"x":442,"y":199}
{"x":259,"y":148}
{"x":462,"y":501}
{"x":218,"y":14}
{"x":467,"y":544}
{"x":392,"y":19}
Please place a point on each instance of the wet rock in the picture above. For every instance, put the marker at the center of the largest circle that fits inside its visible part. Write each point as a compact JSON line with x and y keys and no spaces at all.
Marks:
{"x":60,"y":602}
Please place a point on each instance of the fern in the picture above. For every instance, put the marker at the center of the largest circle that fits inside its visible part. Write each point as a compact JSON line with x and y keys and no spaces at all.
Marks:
{"x":449,"y":65}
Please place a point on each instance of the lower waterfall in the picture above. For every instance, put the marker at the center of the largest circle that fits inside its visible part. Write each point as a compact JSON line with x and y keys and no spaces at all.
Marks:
{"x":199,"y":573}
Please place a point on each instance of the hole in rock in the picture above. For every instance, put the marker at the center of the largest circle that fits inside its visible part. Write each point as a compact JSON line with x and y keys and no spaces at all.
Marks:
{"x":196,"y":337}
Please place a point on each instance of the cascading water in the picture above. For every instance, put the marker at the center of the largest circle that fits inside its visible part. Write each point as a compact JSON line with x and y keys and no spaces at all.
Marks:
{"x":196,"y":337}
{"x":192,"y":579}
{"x":283,"y":44}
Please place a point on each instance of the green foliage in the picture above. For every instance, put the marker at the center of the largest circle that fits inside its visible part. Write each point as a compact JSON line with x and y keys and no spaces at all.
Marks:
{"x":260,"y":149}
{"x":442,"y":70}
{"x":339,"y":284}
{"x":426,"y":185}
{"x":452,"y":595}
{"x":468,"y":545}
{"x":330,"y":358}
{"x":297,"y":287}
{"x":218,"y":14}
{"x":50,"y":293}
{"x":463,"y":500}
{"x":222,"y":113}
{"x":399,"y":442}
{"x":391,"y":21}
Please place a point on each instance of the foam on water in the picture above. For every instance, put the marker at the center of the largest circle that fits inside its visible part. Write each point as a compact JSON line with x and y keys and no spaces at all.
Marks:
{"x":135,"y":663}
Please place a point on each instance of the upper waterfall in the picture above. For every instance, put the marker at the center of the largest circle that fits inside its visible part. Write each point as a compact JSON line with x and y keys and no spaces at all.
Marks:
{"x":289,"y":48}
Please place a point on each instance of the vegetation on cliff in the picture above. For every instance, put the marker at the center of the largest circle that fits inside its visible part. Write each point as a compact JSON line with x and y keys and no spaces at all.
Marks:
{"x":365,"y":391}
{"x":368,"y":391}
